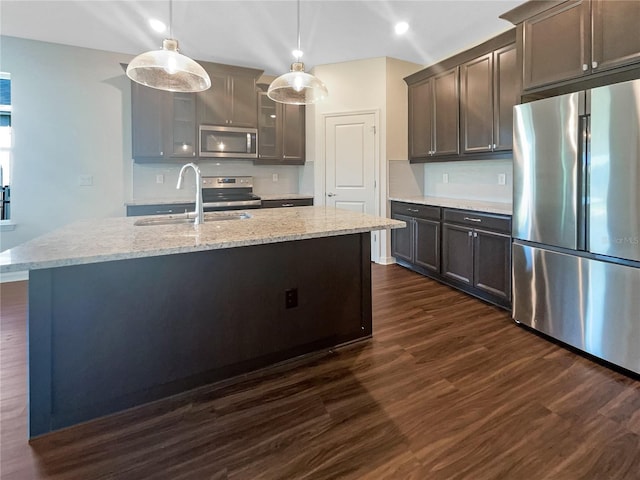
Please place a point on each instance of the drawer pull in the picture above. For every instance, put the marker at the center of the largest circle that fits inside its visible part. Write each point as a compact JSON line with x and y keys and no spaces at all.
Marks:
{"x":478,"y":220}
{"x":414,"y":210}
{"x":287,"y":205}
{"x":160,"y":212}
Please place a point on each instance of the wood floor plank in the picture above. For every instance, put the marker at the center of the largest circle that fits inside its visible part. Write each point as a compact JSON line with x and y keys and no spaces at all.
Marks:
{"x":448,"y":388}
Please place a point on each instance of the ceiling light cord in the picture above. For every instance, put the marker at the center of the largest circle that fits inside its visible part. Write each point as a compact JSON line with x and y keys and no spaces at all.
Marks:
{"x":297,"y":56}
{"x":170,"y":18}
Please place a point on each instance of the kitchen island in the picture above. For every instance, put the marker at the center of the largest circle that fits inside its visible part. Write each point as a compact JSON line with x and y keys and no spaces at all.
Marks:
{"x":122,"y":314}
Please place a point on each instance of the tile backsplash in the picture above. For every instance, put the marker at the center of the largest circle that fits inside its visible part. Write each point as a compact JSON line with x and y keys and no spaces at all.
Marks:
{"x":146,"y":177}
{"x":473,"y":180}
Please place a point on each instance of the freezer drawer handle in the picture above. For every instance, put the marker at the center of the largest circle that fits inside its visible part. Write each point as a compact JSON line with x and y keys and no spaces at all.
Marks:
{"x":287,"y":205}
{"x":473,"y":219}
{"x":414,"y":210}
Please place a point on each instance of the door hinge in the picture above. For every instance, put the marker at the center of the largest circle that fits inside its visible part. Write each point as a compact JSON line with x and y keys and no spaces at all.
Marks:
{"x":373,"y":129}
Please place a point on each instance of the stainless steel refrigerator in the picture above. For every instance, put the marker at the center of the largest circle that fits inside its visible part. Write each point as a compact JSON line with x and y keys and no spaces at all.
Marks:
{"x":576,"y":220}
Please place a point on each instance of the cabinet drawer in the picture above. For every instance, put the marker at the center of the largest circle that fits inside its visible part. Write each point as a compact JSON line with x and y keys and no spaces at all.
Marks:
{"x":159,"y":209}
{"x":298,"y":202}
{"x":415,"y":210}
{"x":498,"y":223}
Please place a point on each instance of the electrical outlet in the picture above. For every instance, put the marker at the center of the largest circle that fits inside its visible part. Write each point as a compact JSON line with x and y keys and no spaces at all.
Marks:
{"x":274,"y":177}
{"x":85,"y":180}
{"x":159,"y":178}
{"x":502,"y":179}
{"x":445,"y":178}
{"x":291,"y":298}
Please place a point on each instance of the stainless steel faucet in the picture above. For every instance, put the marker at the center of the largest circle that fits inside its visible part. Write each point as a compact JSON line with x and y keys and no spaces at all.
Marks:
{"x":199,"y":209}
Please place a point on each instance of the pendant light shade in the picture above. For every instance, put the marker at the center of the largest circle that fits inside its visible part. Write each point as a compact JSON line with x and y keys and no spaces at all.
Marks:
{"x":167,"y":69}
{"x":297,"y":87}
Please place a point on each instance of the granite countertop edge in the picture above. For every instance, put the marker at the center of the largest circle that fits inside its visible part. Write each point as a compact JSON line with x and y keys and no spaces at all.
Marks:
{"x":459,"y":203}
{"x":102,"y":240}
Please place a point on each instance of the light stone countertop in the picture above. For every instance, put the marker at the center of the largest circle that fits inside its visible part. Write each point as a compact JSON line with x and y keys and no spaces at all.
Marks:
{"x":102,"y":240}
{"x":464,"y":204}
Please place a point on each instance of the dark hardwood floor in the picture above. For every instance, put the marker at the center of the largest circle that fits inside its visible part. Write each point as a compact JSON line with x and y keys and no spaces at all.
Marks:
{"x":448,"y":388}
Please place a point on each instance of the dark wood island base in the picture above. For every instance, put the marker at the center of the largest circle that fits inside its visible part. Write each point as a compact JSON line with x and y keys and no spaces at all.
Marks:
{"x":104,"y":337}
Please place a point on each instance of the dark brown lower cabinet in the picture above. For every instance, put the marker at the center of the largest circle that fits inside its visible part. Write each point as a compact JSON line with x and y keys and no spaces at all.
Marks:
{"x":468,"y":250}
{"x":476,"y":253}
{"x":418,"y":245}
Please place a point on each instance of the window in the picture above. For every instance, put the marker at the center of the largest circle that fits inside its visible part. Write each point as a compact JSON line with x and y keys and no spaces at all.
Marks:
{"x":5,"y":143}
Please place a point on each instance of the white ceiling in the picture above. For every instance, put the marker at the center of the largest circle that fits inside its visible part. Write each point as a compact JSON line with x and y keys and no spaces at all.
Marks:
{"x":262,"y":33}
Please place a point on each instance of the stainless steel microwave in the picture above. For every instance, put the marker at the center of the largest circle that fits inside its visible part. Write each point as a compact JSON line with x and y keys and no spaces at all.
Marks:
{"x":228,"y":142}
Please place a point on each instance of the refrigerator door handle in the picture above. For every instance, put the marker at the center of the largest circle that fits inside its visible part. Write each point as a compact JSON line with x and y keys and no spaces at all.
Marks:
{"x":583,"y":182}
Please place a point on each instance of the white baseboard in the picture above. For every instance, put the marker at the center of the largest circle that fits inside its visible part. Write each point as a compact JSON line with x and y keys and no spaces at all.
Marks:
{"x":14,"y":277}
{"x":386,"y":260}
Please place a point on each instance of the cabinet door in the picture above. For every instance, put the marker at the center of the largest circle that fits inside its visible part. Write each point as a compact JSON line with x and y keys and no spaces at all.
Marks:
{"x":213,"y":104}
{"x":268,"y":118}
{"x":457,"y":253}
{"x":181,"y":138}
{"x":476,"y":104}
{"x":505,"y":96}
{"x":293,"y":134}
{"x":242,"y":101}
{"x":492,"y":263}
{"x":420,"y":119}
{"x":427,"y":244}
{"x":616,"y":33}
{"x":149,"y":108}
{"x":446,"y":118}
{"x":556,"y":44}
{"x":402,"y":239}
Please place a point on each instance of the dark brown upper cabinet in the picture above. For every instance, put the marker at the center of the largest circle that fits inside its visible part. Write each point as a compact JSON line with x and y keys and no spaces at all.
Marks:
{"x":578,"y":38}
{"x":281,"y":132}
{"x":163,"y":124}
{"x":461,"y":107}
{"x":434,"y":117}
{"x":488,"y":88}
{"x":232,"y":98}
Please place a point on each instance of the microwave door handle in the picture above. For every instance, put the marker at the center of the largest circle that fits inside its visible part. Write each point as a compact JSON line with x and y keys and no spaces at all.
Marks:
{"x":248,"y":143}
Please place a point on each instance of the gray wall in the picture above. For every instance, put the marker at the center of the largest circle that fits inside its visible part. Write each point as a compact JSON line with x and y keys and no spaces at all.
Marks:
{"x":71,"y":117}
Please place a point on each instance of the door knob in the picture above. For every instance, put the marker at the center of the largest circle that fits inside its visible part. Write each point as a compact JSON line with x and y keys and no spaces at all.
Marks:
{"x":331,"y":194}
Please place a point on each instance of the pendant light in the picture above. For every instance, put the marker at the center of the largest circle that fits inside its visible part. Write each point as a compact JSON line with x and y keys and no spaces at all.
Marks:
{"x":297,"y":87}
{"x":166,"y":69}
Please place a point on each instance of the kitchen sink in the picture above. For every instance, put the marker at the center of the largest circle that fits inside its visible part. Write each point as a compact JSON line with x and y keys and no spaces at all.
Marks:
{"x":177,"y":220}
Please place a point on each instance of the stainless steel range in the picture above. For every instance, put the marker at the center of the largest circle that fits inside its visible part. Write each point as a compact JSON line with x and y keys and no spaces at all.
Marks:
{"x":228,"y":193}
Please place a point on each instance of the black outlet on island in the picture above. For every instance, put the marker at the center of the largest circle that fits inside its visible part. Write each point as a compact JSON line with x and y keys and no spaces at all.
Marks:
{"x":291,"y":298}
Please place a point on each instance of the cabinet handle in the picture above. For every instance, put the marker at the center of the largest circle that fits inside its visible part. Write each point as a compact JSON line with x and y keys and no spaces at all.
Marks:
{"x":489,"y":146}
{"x":594,"y":64}
{"x":161,"y":154}
{"x":495,"y":146}
{"x":160,"y":212}
{"x":414,"y":210}
{"x":287,"y":205}
{"x":585,"y":67}
{"x":475,"y":234}
{"x":478,"y":220}
{"x":470,"y":233}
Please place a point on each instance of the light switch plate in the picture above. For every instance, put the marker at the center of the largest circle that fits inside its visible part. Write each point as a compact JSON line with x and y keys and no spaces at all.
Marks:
{"x":159,"y":178}
{"x":502,"y":179}
{"x":85,"y":180}
{"x":274,"y":177}
{"x":445,"y":178}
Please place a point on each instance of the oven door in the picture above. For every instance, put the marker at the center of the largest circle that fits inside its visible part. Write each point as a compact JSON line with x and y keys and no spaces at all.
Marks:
{"x":228,"y":142}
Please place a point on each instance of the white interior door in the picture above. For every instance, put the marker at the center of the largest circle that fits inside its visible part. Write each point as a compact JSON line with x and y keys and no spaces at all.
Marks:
{"x":350,"y":163}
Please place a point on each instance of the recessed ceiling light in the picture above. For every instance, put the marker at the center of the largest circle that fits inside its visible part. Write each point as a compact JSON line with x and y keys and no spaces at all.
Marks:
{"x":157,"y":25}
{"x":401,"y":28}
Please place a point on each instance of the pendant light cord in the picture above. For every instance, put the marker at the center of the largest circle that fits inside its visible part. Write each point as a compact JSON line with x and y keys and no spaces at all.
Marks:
{"x":170,"y":18}
{"x":298,"y":26}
